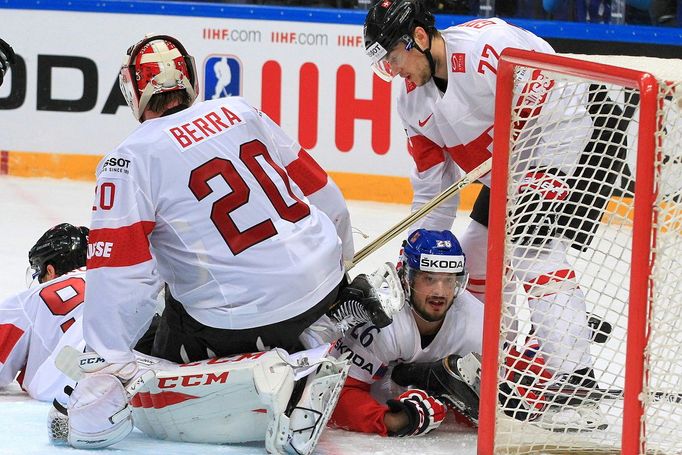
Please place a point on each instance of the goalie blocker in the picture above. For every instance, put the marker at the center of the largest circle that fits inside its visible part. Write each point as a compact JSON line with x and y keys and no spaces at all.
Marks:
{"x":281,"y":399}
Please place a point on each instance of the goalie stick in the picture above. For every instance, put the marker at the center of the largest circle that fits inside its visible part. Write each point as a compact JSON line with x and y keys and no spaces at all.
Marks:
{"x":413,"y":217}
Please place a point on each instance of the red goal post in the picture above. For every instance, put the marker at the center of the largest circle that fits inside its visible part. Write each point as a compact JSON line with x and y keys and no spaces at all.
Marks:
{"x":641,"y":223}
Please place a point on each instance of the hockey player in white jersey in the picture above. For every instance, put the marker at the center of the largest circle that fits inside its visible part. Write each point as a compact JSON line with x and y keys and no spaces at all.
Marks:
{"x":447,"y":109}
{"x":441,"y":326}
{"x":214,"y":199}
{"x":37,"y":322}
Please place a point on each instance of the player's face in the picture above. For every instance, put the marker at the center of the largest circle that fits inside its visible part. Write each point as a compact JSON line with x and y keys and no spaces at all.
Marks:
{"x":409,"y":64}
{"x":433,"y":293}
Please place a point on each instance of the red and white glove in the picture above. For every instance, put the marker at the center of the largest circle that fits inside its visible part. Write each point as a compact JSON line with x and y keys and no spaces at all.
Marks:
{"x":425,"y":413}
{"x":526,"y":375}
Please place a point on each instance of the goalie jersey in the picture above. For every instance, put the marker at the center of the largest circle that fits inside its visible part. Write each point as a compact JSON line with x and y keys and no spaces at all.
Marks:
{"x":217,"y":201}
{"x":452,"y":131}
{"x":373,"y":352}
{"x":34,"y":325}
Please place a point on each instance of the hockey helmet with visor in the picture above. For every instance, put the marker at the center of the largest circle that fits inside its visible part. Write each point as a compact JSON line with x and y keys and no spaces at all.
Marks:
{"x":389,"y":24}
{"x":432,"y":264}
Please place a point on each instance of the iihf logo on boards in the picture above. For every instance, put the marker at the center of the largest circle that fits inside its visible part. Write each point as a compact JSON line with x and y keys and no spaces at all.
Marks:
{"x":222,"y":77}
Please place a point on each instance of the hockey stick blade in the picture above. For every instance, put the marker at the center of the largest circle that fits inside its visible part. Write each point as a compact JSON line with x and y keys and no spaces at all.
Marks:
{"x":473,"y":175}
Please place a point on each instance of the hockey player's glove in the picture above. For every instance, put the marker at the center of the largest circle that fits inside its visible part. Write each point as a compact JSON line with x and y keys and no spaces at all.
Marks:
{"x":425,"y":413}
{"x":526,"y":376}
{"x":454,"y":379}
{"x":6,"y":58}
{"x":541,"y":195}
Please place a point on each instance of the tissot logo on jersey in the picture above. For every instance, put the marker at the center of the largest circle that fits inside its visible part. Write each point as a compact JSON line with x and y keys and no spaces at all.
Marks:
{"x":441,"y":263}
{"x":117,"y":165}
{"x":196,"y":130}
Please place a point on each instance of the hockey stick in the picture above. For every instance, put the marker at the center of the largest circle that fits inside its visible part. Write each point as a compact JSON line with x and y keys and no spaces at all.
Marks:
{"x":406,"y":222}
{"x":573,"y":396}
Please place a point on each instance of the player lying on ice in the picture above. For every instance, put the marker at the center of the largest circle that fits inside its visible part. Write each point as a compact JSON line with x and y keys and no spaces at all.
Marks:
{"x":36,"y":322}
{"x":250,"y":236}
{"x":427,"y":358}
{"x":441,"y":326}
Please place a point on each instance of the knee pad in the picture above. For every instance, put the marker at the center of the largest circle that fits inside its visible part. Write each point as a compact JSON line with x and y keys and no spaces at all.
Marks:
{"x":98,"y":411}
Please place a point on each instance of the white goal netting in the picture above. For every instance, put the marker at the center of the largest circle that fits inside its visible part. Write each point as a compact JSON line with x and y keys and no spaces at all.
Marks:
{"x":570,"y":269}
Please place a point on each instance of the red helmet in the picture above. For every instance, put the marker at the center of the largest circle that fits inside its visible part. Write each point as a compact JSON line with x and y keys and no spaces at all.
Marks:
{"x":156,"y":64}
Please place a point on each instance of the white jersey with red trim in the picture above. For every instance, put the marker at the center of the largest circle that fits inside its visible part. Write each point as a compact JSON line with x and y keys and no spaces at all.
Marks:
{"x":34,"y":325}
{"x":217,"y":201}
{"x":375,"y":351}
{"x":453,"y":131}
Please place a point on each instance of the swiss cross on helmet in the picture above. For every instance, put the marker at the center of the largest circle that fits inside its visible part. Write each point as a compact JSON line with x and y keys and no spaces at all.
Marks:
{"x":63,"y":246}
{"x":435,"y":252}
{"x":156,"y":64}
{"x":389,"y":22}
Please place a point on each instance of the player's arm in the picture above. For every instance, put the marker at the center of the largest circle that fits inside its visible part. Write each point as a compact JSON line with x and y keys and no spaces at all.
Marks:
{"x":15,"y":333}
{"x":314,"y":182}
{"x":430,"y":176}
{"x":410,"y":414}
{"x":122,"y":282}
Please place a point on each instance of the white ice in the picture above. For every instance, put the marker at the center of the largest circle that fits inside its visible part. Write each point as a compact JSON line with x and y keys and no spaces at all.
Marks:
{"x":29,"y":206}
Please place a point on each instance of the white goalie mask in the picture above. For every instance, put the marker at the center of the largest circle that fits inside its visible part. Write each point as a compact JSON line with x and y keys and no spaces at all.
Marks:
{"x":156,"y":64}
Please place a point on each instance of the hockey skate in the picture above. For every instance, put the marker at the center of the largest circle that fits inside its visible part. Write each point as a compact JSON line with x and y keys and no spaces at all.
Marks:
{"x":370,"y":299}
{"x":456,"y":380}
{"x":569,"y":409}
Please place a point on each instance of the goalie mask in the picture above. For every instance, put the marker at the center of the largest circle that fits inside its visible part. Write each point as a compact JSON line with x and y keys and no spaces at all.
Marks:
{"x":157,"y":64}
{"x":64,"y":246}
{"x":389,"y":23}
{"x":433,"y":272}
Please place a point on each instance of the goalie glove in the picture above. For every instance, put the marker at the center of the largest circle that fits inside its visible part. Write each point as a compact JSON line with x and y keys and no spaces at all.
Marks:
{"x":424,"y":412}
{"x":540,"y":196}
{"x":98,"y":413}
{"x":7,"y":58}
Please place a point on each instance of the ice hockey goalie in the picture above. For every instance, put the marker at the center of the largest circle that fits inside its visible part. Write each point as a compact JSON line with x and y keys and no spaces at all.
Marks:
{"x":281,"y":399}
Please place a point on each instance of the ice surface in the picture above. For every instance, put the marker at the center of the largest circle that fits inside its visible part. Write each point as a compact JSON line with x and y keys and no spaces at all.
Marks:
{"x":29,"y":206}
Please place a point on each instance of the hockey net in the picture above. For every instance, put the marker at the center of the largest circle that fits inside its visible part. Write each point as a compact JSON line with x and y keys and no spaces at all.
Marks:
{"x":616,"y":136}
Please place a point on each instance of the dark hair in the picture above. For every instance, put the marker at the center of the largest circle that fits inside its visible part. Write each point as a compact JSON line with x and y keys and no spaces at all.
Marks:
{"x":158,"y":103}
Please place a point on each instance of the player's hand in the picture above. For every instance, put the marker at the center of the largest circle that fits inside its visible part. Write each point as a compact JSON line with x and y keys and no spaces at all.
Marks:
{"x":6,"y":58}
{"x":541,"y":195}
{"x":525,"y":378}
{"x":424,"y":412}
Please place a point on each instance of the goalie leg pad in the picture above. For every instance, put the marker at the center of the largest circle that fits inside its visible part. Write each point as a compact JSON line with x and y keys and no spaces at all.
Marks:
{"x":98,"y":412}
{"x":220,"y":400}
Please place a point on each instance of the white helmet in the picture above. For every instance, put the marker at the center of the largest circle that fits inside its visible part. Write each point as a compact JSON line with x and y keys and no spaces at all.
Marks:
{"x":156,"y":64}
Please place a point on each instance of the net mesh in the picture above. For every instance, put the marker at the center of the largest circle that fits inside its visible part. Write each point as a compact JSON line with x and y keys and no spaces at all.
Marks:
{"x":568,"y":255}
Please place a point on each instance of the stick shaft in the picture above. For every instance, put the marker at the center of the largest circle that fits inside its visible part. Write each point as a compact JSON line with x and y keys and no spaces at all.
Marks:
{"x":408,"y":221}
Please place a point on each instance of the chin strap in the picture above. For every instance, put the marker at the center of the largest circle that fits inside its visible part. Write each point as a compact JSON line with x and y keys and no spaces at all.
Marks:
{"x":429,"y":57}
